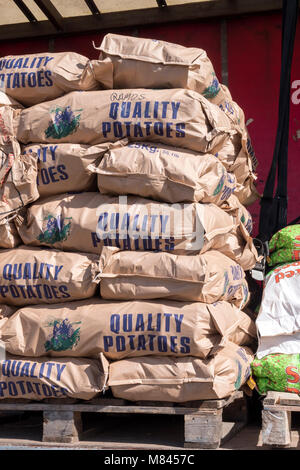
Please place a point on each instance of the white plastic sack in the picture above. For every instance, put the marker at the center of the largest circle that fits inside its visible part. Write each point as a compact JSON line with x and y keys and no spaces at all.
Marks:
{"x":278,"y":320}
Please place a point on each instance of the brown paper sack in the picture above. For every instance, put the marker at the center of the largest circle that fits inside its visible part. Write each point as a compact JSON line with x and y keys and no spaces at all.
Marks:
{"x":6,"y":311}
{"x":164,"y":173}
{"x":177,"y":117}
{"x":181,"y":379}
{"x":125,"y":329}
{"x":6,"y":100}
{"x":236,"y":115}
{"x":237,"y":154}
{"x":206,"y":278}
{"x":34,"y":276}
{"x":9,"y":237}
{"x":64,"y":167}
{"x":18,"y":173}
{"x":148,"y":63}
{"x":86,"y":222}
{"x":34,"y":78}
{"x":39,"y":379}
{"x":244,"y":171}
{"x":238,"y":211}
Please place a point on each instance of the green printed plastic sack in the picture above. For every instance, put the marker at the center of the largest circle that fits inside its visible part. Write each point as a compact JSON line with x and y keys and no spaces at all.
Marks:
{"x":277,"y":372}
{"x":285,"y":245}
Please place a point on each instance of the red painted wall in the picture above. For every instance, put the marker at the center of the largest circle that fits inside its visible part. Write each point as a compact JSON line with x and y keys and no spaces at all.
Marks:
{"x":254,"y":59}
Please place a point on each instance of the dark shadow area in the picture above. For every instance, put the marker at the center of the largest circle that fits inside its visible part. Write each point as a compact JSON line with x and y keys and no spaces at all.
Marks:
{"x":27,"y":425}
{"x":164,"y":430}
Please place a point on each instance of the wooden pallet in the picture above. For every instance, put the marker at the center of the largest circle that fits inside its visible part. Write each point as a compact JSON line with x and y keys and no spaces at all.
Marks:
{"x":207,"y":423}
{"x":276,"y":418}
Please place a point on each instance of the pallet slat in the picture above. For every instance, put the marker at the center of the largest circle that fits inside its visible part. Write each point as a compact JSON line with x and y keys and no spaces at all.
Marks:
{"x":61,"y":426}
{"x":115,"y":405}
{"x":276,"y":418}
{"x":203,"y":424}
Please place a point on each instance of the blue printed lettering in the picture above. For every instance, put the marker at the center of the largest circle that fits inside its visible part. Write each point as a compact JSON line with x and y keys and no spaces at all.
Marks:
{"x":137,"y":111}
{"x":16,"y":80}
{"x":7,"y":272}
{"x":131,"y":342}
{"x":3,"y":386}
{"x":50,"y":365}
{"x":3,"y":291}
{"x":31,"y":79}
{"x":49,"y":81}
{"x":175,"y":109}
{"x":173,"y":344}
{"x":14,"y":292}
{"x":57,"y":271}
{"x":27,"y":271}
{"x":37,"y":388}
{"x":29,"y":387}
{"x":167,"y":318}
{"x":162,"y":343}
{"x":6,"y":368}
{"x":21,"y":385}
{"x":46,"y":390}
{"x":15,"y":368}
{"x":113,"y":112}
{"x":178,"y":321}
{"x":120,"y":343}
{"x":151,"y":342}
{"x":180,"y":129}
{"x":60,"y":368}
{"x":107,"y":342}
{"x":127,"y":322}
{"x":32,"y":371}
{"x":115,"y":323}
{"x":12,"y":389}
{"x":141,"y":343}
{"x":25,"y":370}
{"x":62,"y":174}
{"x":106,"y":128}
{"x":185,"y":342}
{"x":95,"y":239}
{"x":149,"y":325}
{"x":41,"y":374}
{"x":140,"y":322}
{"x":30,"y":292}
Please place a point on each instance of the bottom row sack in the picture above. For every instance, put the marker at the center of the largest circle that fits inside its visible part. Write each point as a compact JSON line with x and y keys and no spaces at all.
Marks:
{"x":170,"y":379}
{"x":181,"y":379}
{"x":37,"y":379}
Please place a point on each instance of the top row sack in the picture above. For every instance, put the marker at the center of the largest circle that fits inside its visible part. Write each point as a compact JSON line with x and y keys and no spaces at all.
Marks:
{"x":34,"y":78}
